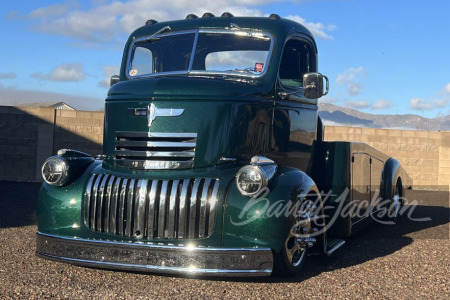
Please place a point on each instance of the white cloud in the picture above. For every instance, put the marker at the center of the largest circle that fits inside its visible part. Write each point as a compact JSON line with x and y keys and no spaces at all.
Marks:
{"x":354,"y":88}
{"x":381,"y":104}
{"x":420,"y":104}
{"x":350,"y":75}
{"x":441,"y":102}
{"x":64,"y":72}
{"x":358,"y":104}
{"x":447,"y":89}
{"x":9,"y":75}
{"x":108,"y":21}
{"x":319,"y":30}
{"x":53,"y":10}
{"x":108,"y":71}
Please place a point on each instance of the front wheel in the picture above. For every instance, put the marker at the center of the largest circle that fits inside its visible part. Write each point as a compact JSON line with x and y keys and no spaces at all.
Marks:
{"x":302,"y":236}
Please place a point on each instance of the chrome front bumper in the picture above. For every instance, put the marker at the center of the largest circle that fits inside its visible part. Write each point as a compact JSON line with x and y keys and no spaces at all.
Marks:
{"x":156,"y":258}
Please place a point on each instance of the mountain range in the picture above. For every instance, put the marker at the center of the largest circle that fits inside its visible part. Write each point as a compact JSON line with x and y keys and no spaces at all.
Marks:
{"x":334,"y":115}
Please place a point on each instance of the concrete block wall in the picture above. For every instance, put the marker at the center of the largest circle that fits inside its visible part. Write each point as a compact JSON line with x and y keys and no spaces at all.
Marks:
{"x":28,"y":136}
{"x":425,"y":155}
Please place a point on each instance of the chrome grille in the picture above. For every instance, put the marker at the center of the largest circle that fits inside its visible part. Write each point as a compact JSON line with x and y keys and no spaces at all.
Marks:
{"x":151,"y":209}
{"x":154,"y":150}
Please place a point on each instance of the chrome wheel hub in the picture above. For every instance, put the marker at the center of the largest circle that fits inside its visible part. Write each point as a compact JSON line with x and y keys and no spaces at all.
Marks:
{"x":299,"y":238}
{"x":396,"y":204}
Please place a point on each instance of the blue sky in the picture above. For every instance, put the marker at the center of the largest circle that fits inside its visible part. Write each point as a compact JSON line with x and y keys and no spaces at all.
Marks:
{"x":382,"y":57}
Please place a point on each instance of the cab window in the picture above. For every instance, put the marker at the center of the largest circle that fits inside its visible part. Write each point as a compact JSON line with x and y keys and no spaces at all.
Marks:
{"x":298,"y":59}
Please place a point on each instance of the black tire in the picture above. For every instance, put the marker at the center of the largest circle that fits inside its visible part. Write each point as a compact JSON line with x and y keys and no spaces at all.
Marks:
{"x":395,"y":202}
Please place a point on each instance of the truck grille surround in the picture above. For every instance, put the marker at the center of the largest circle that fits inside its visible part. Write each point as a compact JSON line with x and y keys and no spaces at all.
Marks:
{"x":151,"y":209}
{"x":154,"y":150}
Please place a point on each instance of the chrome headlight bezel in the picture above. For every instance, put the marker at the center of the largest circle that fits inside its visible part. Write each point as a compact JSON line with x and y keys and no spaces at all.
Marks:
{"x":261,"y":183}
{"x":55,"y":166}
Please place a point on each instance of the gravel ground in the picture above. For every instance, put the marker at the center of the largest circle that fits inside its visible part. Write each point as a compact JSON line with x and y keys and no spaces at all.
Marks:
{"x":408,"y":261}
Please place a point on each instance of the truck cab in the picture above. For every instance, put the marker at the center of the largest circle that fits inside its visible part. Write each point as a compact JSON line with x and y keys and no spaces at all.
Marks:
{"x":214,"y":161}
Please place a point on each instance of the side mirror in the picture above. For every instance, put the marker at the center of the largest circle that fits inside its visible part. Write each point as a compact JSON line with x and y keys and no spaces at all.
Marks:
{"x":114,"y":79}
{"x":313,"y":85}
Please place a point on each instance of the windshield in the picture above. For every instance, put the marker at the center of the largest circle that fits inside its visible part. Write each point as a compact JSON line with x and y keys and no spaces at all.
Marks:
{"x":236,"y":53}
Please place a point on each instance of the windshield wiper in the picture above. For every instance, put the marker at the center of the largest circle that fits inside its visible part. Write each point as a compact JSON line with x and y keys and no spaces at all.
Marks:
{"x":165,"y":29}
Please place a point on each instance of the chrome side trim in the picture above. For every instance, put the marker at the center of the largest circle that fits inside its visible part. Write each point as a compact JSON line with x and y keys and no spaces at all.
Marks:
{"x":156,"y":258}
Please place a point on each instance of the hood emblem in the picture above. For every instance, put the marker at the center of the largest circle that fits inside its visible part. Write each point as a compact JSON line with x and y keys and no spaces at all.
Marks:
{"x":152,"y":112}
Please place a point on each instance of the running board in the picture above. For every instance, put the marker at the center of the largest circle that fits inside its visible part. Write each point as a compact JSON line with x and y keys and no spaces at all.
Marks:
{"x":333,"y":245}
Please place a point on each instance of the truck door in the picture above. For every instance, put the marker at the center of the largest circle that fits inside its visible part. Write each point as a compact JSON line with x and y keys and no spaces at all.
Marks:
{"x":295,"y":116}
{"x":361,"y":186}
{"x":376,"y":168}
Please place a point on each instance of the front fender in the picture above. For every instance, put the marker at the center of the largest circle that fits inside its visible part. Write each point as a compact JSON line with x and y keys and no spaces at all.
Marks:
{"x":264,"y":220}
{"x":58,"y":209}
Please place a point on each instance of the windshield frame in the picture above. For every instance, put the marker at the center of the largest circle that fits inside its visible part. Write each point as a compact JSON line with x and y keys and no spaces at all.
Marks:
{"x":189,"y":71}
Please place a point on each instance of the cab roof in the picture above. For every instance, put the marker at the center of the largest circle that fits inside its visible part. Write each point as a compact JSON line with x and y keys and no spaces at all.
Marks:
{"x":279,"y":27}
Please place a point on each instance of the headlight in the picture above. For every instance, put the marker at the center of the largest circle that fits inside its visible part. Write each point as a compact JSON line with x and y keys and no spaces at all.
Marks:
{"x":54,"y":171}
{"x":251,"y":179}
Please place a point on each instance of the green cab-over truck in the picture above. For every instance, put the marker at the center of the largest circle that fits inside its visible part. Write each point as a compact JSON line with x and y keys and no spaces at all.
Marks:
{"x":214,"y":161}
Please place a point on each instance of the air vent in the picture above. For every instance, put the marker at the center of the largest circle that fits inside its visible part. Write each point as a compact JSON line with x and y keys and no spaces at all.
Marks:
{"x":154,"y":150}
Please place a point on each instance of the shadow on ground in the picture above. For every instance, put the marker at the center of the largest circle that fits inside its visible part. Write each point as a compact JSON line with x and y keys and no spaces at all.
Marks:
{"x":18,"y":203}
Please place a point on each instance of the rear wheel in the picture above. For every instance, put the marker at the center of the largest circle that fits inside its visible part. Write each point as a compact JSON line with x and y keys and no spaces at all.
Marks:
{"x":396,"y":202}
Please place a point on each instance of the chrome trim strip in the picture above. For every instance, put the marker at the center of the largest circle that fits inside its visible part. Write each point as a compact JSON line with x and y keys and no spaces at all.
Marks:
{"x":191,"y":61}
{"x":114,"y":202}
{"x":122,"y":198}
{"x":108,"y":202}
{"x":101,"y":197}
{"x":141,"y":201}
{"x":203,"y":202}
{"x":144,"y":154}
{"x":151,"y":209}
{"x":156,"y":258}
{"x":212,"y":207}
{"x":172,"y":231}
{"x":87,"y":197}
{"x":143,"y":134}
{"x":153,"y":164}
{"x":162,"y":210}
{"x":94,"y":201}
{"x":193,"y":209}
{"x":130,"y":203}
{"x":154,"y":144}
{"x":183,"y":209}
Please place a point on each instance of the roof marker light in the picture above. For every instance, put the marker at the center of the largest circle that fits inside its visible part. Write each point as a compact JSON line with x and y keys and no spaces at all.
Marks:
{"x":208,"y":15}
{"x":191,"y":17}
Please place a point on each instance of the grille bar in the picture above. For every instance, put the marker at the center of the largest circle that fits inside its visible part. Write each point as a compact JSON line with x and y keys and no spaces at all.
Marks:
{"x":142,"y":134}
{"x":151,"y":209}
{"x":154,"y":144}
